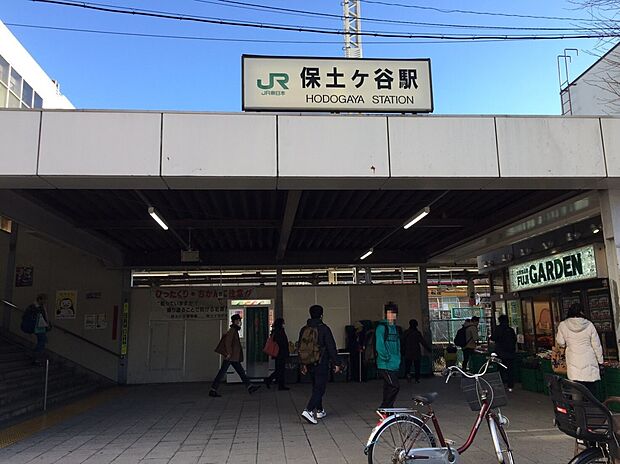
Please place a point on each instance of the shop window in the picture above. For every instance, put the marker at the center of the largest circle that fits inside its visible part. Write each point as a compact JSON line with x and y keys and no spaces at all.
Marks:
{"x":544,"y":323}
{"x":3,"y":93}
{"x":27,"y":94}
{"x":38,"y":101}
{"x":529,"y":336}
{"x":6,"y":224}
{"x":15,"y":83}
{"x":14,"y":102}
{"x":4,"y":71}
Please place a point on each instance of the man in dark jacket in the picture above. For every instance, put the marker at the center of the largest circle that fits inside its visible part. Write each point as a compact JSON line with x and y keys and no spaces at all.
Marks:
{"x":412,"y":349}
{"x":505,"y":340}
{"x":319,"y":371}
{"x":232,"y":351}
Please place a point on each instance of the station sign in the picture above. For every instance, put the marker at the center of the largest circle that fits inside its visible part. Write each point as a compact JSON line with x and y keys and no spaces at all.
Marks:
{"x":336,"y":84}
{"x":570,"y":266}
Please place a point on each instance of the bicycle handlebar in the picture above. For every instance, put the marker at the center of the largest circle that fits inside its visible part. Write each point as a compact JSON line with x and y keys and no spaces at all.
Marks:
{"x":493,"y":358}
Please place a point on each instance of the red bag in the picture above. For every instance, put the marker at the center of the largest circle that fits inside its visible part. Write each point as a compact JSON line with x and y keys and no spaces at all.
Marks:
{"x":271,"y":347}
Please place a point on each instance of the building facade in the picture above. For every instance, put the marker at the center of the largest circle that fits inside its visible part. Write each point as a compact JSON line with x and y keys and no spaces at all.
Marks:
{"x":23,"y":83}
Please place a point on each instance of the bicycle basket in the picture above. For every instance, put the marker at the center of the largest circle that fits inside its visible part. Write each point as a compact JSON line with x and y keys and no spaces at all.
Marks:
{"x":473,"y":390}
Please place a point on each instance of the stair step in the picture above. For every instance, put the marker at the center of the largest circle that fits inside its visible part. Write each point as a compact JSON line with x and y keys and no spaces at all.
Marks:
{"x":29,"y":371}
{"x":28,"y":406}
{"x":36,"y":391}
{"x":38,"y":379}
{"x":14,"y":356}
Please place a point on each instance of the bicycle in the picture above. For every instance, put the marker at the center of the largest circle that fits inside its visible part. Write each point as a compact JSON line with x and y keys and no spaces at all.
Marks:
{"x":580,"y":415}
{"x":403,"y":435}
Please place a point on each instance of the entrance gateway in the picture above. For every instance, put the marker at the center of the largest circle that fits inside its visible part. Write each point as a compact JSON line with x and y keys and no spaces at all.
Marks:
{"x":283,"y":206}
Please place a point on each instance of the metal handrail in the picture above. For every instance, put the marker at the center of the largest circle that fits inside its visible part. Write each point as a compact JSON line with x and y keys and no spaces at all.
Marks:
{"x":67,"y":331}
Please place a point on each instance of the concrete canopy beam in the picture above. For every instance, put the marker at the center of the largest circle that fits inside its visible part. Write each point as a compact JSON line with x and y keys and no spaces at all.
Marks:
{"x":219,"y":151}
{"x":100,"y":149}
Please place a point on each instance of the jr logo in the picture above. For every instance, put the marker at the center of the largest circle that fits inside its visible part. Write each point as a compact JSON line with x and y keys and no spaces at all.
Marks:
{"x":280,"y":78}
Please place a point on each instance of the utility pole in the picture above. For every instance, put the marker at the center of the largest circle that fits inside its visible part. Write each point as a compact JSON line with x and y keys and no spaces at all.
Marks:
{"x":352,"y":29}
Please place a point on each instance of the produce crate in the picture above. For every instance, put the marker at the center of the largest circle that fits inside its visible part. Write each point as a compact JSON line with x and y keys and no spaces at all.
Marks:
{"x":426,"y":366}
{"x":531,"y":379}
{"x":611,"y":386}
{"x":546,"y":366}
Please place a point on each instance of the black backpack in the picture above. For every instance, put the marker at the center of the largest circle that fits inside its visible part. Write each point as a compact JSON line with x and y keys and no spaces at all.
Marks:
{"x":460,"y":339}
{"x":29,"y":320}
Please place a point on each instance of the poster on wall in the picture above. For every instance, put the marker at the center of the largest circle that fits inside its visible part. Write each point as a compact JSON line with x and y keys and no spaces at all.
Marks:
{"x":24,"y":276}
{"x":66,"y":304}
{"x":192,"y":303}
{"x":102,"y":323}
{"x":90,"y":321}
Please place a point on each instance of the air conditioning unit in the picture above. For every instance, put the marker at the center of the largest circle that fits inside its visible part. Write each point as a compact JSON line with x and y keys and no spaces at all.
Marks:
{"x":190,"y":256}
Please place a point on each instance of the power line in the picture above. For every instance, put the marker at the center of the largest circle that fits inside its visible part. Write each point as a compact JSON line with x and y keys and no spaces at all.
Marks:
{"x":230,"y":39}
{"x":297,"y":12}
{"x":314,"y":30}
{"x":481,"y":13}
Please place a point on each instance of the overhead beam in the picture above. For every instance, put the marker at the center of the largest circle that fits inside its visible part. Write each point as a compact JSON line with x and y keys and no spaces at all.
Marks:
{"x":39,"y":218}
{"x":290,"y":211}
{"x":274,"y":224}
{"x":245,"y":258}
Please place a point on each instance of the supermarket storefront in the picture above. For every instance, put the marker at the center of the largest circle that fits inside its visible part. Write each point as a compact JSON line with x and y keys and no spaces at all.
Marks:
{"x":538,"y":293}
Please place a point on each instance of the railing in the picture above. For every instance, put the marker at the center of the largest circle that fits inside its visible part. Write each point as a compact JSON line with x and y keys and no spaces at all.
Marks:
{"x":68,"y":332}
{"x":47,"y":361}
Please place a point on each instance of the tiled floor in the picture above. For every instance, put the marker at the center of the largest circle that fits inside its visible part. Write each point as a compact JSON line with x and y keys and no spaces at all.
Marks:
{"x":180,"y":424}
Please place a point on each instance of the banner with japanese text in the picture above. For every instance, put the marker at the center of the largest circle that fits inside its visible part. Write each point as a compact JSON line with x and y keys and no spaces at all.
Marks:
{"x":196,"y":303}
{"x":336,"y":84}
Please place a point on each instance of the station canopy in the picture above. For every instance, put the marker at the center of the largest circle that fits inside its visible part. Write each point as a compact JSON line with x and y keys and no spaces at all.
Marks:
{"x":268,"y":228}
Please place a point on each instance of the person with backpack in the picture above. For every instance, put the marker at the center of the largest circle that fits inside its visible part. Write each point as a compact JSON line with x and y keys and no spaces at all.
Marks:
{"x":387,"y":341}
{"x":505,"y":340}
{"x":413,"y":341}
{"x":232,"y":351}
{"x":35,"y":321}
{"x":467,"y":339}
{"x":317,"y":348}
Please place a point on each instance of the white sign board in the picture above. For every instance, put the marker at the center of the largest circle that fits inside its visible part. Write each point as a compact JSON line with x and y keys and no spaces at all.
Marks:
{"x":195,"y":303}
{"x":570,"y":266}
{"x":336,"y":84}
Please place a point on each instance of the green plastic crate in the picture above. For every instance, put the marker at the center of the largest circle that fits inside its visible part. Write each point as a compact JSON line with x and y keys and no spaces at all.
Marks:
{"x":531,"y":379}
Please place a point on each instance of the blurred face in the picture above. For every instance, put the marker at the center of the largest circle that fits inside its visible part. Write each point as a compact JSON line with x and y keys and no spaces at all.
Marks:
{"x":391,"y":316}
{"x":237,"y":322}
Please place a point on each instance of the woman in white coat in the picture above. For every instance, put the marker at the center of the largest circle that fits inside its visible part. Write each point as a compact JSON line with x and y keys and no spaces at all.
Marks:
{"x":584,"y":353}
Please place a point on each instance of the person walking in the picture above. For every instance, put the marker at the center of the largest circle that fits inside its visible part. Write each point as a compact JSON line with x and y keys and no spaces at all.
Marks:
{"x":472,"y":337}
{"x":413,"y":341}
{"x":505,"y":340}
{"x":279,"y":336}
{"x":387,"y":342}
{"x":317,"y":348}
{"x":232,"y":351}
{"x":38,"y":314}
{"x":584,"y":353}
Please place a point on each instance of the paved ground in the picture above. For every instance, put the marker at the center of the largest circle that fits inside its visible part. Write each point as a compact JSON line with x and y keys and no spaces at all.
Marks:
{"x":179,"y":424}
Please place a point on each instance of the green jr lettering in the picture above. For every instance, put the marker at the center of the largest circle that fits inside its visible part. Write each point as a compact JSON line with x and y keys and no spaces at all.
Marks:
{"x":280,"y":78}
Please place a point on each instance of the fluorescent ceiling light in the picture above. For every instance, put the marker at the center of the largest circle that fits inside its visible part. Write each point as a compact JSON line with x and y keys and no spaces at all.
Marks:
{"x":367,"y":254}
{"x":417,"y":218}
{"x":157,"y":218}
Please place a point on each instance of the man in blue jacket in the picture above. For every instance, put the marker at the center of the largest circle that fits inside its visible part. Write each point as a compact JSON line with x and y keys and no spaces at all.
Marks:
{"x":388,"y":354}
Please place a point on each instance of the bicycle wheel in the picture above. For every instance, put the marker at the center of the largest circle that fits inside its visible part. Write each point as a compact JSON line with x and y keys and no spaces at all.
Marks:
{"x":396,"y":437}
{"x":500,"y":441}
{"x":590,"y":456}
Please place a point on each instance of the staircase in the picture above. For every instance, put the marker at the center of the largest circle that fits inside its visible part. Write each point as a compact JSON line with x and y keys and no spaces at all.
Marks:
{"x":22,"y":384}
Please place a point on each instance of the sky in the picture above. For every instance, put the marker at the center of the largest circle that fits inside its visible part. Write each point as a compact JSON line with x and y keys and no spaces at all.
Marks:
{"x":101,"y":71}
